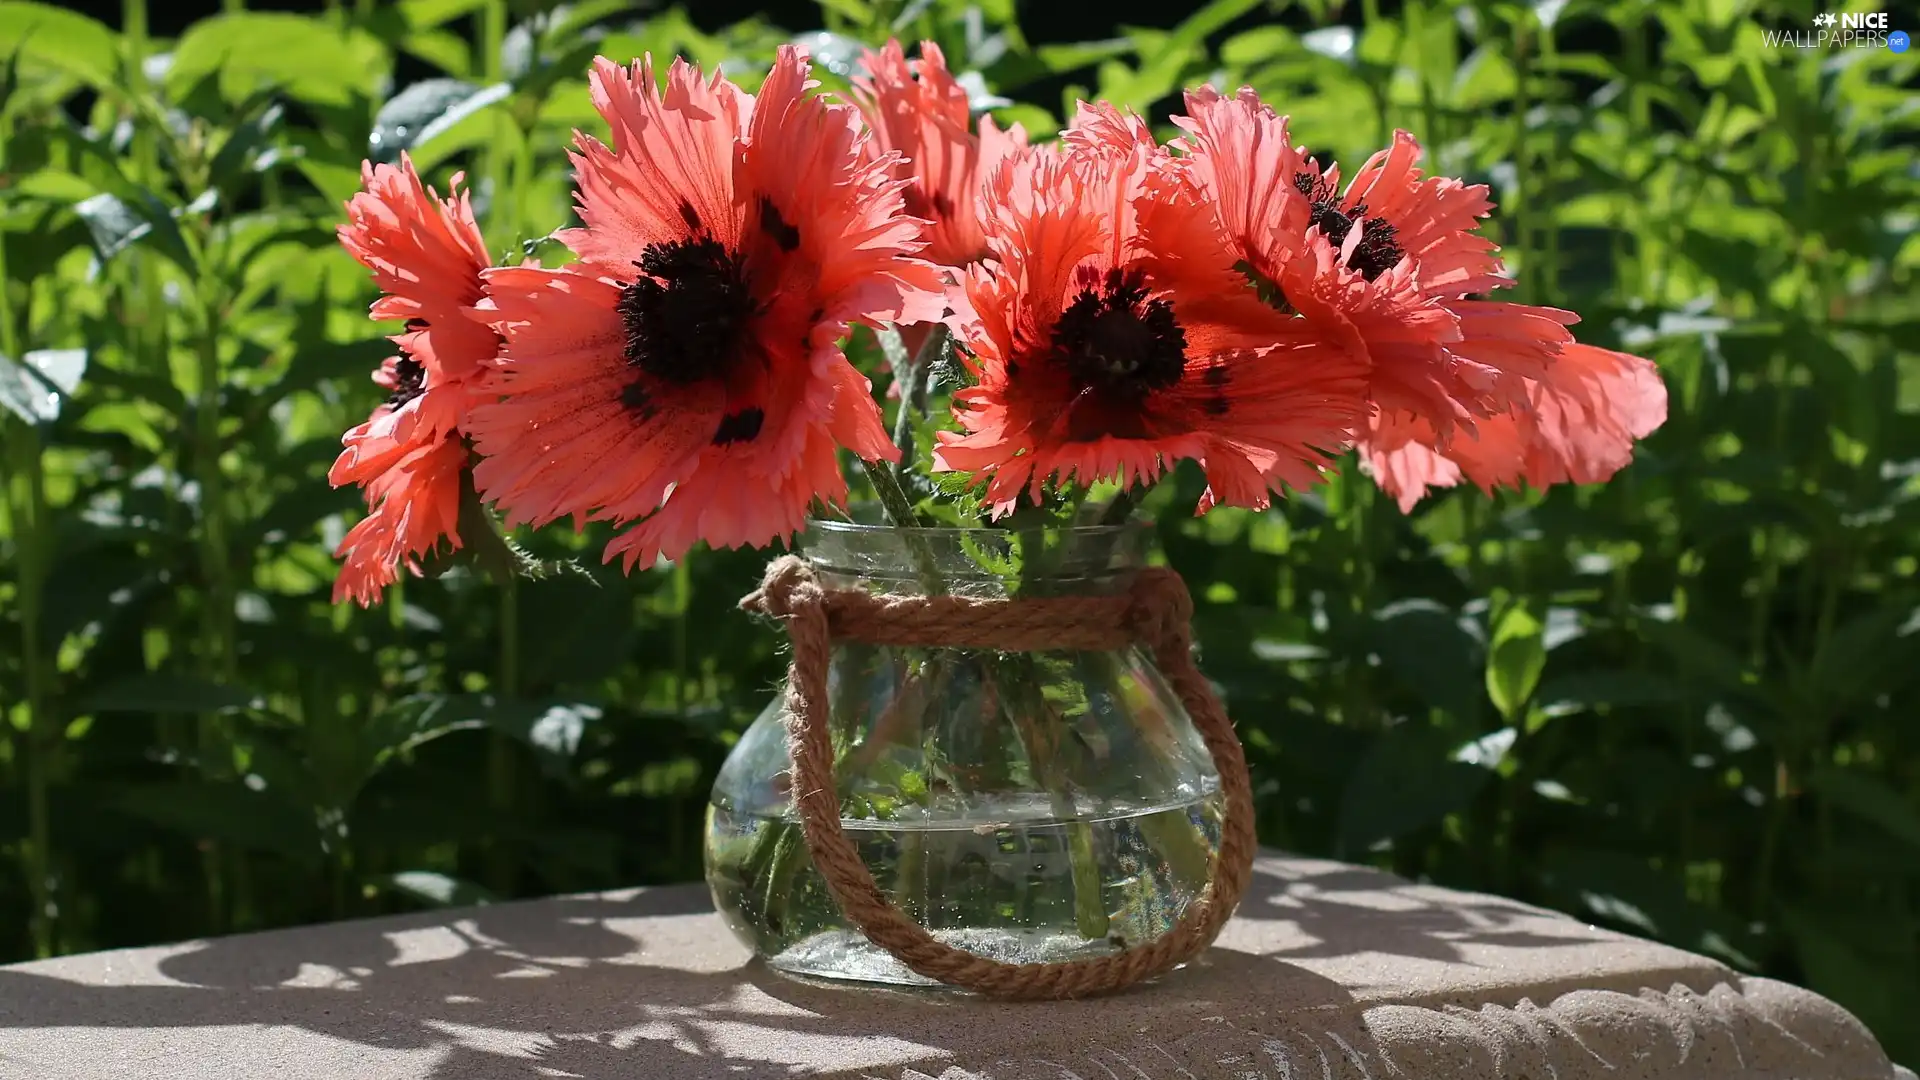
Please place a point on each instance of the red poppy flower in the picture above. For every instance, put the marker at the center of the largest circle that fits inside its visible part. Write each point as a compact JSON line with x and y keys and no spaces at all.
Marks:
{"x":426,"y":255}
{"x":1579,"y":427}
{"x":1104,"y":350}
{"x":918,"y":109}
{"x":1388,"y":269}
{"x":1100,"y":127}
{"x":686,"y":372}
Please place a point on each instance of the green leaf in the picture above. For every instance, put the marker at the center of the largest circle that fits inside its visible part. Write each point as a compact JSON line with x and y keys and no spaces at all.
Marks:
{"x":552,"y":728}
{"x":1514,"y":664}
{"x":1700,"y":655}
{"x":854,"y":11}
{"x":117,"y":224}
{"x":434,"y":888}
{"x":426,"y":110}
{"x":1625,"y":889}
{"x":558,"y":45}
{"x":226,"y":812}
{"x":45,"y":36}
{"x":573,"y":631}
{"x":1859,"y":959}
{"x":295,"y":513}
{"x":1433,"y":652}
{"x":1868,"y":655}
{"x":98,"y":582}
{"x":1408,"y":780}
{"x":1159,"y":73}
{"x":258,"y":120}
{"x":167,"y":693}
{"x":426,"y":14}
{"x":251,"y":49}
{"x":1869,"y":798}
{"x":34,"y":386}
{"x":1587,"y":689}
{"x":1064,"y":59}
{"x":9,"y":80}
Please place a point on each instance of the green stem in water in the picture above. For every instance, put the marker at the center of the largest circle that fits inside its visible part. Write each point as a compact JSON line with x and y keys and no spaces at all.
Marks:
{"x":1180,"y":843}
{"x":910,"y":875}
{"x":1018,"y":683}
{"x":1028,"y":707}
{"x":784,"y":855}
{"x":779,"y":849}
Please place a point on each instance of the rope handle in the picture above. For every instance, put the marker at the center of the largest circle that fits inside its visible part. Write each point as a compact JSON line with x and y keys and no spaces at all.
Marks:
{"x":1156,"y":612}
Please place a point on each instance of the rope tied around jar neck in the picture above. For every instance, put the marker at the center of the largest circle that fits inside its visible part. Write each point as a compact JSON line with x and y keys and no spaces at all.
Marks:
{"x":1156,"y":612}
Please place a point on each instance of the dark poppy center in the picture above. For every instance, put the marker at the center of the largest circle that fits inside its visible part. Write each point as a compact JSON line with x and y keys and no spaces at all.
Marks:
{"x":1379,"y":248}
{"x":409,"y":381}
{"x":934,"y":207}
{"x":1113,"y":339}
{"x":684,"y":314}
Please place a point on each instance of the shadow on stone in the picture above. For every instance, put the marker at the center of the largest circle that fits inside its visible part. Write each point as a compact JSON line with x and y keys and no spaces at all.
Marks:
{"x":647,"y":983}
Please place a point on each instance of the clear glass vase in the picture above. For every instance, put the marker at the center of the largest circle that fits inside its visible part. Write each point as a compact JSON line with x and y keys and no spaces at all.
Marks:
{"x":1025,"y":807}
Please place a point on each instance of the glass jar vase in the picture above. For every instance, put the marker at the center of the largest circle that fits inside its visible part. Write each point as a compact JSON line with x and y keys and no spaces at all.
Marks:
{"x":1030,"y":807}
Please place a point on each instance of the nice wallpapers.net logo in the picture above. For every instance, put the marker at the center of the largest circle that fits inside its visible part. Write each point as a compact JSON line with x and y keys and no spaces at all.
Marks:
{"x":1853,"y":29}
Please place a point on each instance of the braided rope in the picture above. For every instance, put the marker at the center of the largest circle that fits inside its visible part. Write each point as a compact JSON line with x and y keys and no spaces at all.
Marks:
{"x":1157,"y":612}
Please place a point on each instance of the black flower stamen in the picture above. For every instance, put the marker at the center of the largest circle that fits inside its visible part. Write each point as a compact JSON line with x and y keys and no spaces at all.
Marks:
{"x":1115,"y":341}
{"x":409,"y":381}
{"x":742,"y":426}
{"x":1379,"y":248}
{"x":1216,"y":379}
{"x":937,"y":207}
{"x":777,"y":227}
{"x":684,"y":315}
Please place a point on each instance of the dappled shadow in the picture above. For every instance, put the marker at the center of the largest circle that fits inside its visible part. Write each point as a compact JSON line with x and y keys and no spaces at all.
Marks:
{"x":648,"y":984}
{"x":1336,"y":910}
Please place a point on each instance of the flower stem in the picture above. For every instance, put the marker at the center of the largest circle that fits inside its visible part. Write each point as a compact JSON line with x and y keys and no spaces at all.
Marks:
{"x":913,"y":393}
{"x":1017,"y":680}
{"x":780,"y":850}
{"x":28,"y":523}
{"x":900,"y":513}
{"x":220,"y":654}
{"x":1181,"y":843}
{"x":910,"y":875}
{"x":893,"y":497}
{"x":1120,"y":510}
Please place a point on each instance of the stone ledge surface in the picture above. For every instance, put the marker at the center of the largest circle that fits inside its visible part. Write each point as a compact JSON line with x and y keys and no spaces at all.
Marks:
{"x":1329,"y":972}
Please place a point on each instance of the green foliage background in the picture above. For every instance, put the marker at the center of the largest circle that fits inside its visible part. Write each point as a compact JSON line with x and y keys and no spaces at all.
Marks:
{"x":1684,"y":704}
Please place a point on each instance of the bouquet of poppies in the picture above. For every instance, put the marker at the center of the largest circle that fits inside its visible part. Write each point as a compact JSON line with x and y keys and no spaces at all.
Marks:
{"x":1059,"y":316}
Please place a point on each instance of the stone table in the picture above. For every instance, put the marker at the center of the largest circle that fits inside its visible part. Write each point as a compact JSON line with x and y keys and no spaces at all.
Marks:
{"x":1330,"y":971}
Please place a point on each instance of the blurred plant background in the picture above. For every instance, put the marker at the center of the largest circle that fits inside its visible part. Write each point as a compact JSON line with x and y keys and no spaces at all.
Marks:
{"x":1683,"y":705}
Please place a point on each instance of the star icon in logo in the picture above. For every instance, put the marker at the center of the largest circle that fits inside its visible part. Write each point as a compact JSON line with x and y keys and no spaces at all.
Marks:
{"x":1826,"y":19}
